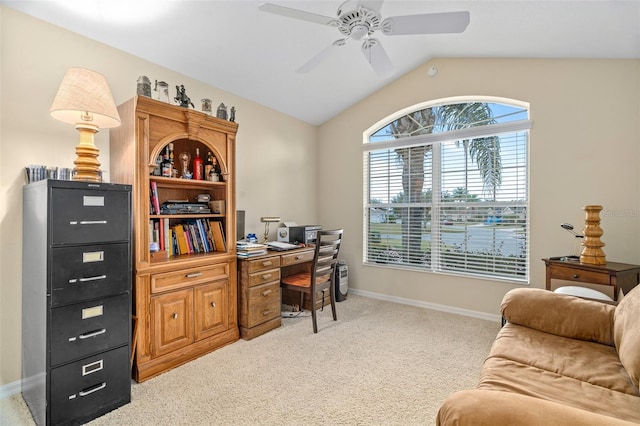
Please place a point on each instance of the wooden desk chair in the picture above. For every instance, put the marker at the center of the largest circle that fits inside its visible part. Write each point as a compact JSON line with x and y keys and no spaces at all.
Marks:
{"x":322,"y":274}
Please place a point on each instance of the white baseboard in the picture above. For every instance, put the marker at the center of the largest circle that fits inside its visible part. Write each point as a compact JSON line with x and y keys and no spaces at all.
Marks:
{"x":427,"y":305}
{"x":10,"y":389}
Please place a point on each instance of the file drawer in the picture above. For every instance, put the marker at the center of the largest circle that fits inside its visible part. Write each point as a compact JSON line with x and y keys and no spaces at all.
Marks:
{"x":89,"y":327}
{"x":87,"y":272}
{"x":90,"y":387}
{"x":264,"y":303}
{"x":89,"y":216}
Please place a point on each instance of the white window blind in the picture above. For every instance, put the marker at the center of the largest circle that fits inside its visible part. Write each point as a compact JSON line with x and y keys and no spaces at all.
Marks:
{"x":450,"y":205}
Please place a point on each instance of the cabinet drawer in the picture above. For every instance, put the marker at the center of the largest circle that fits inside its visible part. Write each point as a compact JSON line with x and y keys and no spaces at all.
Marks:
{"x":262,"y":277}
{"x":89,"y":327}
{"x":572,"y":274}
{"x":88,"y":272}
{"x":91,"y":386}
{"x":292,"y":259}
{"x":188,"y":277}
{"x":264,"y":303}
{"x":89,"y":216}
{"x":264,"y":264}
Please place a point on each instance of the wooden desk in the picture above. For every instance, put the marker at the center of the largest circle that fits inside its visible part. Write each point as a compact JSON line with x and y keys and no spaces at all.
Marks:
{"x":259,"y":288}
{"x":621,"y":276}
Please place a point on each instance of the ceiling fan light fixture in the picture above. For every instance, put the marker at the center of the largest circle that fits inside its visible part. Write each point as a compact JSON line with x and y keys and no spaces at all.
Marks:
{"x":359,"y":31}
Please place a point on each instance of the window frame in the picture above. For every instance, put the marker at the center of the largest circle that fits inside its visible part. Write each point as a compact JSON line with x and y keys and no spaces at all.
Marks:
{"x":438,"y":204}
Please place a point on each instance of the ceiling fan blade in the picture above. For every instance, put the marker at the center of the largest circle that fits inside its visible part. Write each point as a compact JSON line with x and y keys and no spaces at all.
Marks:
{"x":324,"y":53}
{"x":296,"y":14}
{"x":372,"y":4}
{"x":377,"y":57}
{"x":428,"y":23}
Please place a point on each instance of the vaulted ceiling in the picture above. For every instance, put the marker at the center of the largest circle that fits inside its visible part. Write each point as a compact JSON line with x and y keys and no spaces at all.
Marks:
{"x":236,"y":47}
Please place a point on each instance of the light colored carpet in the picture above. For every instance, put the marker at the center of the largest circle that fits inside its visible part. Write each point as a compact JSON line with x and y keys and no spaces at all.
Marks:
{"x":381,"y":363}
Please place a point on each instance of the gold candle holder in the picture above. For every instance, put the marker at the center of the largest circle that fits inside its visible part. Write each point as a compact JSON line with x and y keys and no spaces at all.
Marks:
{"x":592,"y":252}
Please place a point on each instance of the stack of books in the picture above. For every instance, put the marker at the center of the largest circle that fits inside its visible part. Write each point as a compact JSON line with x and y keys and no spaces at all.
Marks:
{"x":246,"y":249}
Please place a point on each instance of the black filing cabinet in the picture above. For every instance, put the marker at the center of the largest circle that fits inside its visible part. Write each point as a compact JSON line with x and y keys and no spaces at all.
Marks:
{"x":76,"y":300}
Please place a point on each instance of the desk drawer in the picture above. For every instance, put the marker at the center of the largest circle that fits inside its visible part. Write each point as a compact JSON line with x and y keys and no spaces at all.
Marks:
{"x":572,"y":274}
{"x":263,"y":277}
{"x":292,"y":259}
{"x":264,"y":303}
{"x":88,"y":272}
{"x":188,"y":277}
{"x":264,"y":264}
{"x":96,"y":384}
{"x":89,"y":327}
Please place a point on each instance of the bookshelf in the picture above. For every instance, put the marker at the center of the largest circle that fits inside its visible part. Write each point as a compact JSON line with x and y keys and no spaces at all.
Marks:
{"x":185,"y":296}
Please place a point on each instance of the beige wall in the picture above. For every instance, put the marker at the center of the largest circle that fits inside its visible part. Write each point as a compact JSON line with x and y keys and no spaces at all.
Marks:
{"x":275,"y":153}
{"x":584,"y":149}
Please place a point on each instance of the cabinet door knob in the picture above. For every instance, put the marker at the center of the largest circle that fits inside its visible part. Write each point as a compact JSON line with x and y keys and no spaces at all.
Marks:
{"x":575,"y":275}
{"x":174,"y":316}
{"x":213,"y":304}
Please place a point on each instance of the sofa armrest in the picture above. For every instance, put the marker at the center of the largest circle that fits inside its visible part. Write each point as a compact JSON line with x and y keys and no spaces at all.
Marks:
{"x":495,"y":408}
{"x":559,"y":314}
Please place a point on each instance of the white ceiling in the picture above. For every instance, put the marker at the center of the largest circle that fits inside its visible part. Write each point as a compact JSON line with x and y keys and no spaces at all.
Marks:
{"x":234,"y":46}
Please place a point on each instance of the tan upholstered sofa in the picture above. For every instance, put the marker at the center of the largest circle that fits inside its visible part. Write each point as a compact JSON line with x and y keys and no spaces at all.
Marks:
{"x":558,"y":360}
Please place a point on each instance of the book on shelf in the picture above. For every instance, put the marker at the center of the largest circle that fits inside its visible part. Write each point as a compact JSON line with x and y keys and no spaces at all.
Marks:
{"x":218,"y":235}
{"x":155,"y":202}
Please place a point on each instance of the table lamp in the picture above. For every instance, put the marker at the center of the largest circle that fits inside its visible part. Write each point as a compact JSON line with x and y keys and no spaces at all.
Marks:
{"x":84,"y":99}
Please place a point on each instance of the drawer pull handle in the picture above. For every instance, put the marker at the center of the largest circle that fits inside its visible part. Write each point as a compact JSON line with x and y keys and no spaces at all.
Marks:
{"x":96,"y":278}
{"x":174,"y":316}
{"x":267,"y":312}
{"x":267,"y":292}
{"x":93,"y":389}
{"x":299,"y":257}
{"x":267,"y":263}
{"x":213,"y":304}
{"x":266,"y":276}
{"x":88,"y":222}
{"x":194,"y":275}
{"x":92,"y":334}
{"x":575,"y":275}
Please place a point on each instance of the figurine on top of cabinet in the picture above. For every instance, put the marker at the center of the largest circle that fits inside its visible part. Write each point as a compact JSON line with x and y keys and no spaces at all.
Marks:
{"x":222,"y":111}
{"x":232,"y":117}
{"x":181,"y":97}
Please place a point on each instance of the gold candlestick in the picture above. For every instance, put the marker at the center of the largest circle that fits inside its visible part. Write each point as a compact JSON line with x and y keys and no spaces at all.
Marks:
{"x":592,"y":253}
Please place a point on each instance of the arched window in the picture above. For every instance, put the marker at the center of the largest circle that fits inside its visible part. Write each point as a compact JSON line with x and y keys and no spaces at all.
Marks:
{"x":446,"y":188}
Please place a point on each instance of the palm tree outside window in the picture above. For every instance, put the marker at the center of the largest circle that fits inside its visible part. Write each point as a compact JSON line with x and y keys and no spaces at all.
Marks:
{"x":447,"y":189}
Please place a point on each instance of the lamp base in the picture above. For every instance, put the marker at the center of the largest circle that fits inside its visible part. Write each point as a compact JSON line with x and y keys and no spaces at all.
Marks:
{"x":87,"y":166}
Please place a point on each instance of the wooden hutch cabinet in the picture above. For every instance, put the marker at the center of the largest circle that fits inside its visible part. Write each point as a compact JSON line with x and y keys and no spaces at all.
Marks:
{"x":184,"y":291}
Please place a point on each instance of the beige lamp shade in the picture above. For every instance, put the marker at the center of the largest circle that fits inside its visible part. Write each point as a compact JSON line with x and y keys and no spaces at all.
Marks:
{"x":84,"y":98}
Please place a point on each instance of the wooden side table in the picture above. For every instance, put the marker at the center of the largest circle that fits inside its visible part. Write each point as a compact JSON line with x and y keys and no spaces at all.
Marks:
{"x":621,"y":276}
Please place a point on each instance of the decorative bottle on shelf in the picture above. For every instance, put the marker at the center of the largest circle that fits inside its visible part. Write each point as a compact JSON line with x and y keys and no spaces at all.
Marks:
{"x":172,"y":169}
{"x":197,"y":166}
{"x":208,"y":166}
{"x":216,"y":175}
{"x":166,"y":167}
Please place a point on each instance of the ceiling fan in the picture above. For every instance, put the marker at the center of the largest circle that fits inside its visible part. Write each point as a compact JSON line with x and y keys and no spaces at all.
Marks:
{"x":359,"y":19}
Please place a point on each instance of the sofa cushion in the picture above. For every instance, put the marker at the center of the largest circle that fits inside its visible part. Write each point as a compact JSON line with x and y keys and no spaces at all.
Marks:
{"x":559,"y":314}
{"x":578,"y":373}
{"x":626,"y":333}
{"x":493,"y":408}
